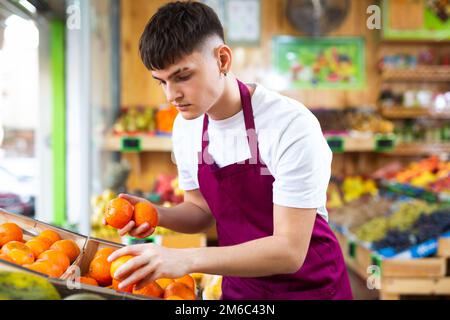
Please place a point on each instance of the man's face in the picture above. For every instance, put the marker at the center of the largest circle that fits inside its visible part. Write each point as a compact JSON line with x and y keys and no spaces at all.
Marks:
{"x":192,"y":84}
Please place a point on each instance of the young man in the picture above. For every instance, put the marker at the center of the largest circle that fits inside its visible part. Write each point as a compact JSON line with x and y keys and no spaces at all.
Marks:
{"x":261,"y":171}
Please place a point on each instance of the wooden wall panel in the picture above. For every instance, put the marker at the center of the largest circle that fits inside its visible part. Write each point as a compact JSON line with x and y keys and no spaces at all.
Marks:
{"x":138,"y":88}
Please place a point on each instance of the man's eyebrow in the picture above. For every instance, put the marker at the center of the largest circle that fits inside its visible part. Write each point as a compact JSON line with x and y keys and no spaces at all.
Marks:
{"x":173,"y":74}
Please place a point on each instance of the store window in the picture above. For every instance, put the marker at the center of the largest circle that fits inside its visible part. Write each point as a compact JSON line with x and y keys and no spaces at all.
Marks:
{"x":19,"y":108}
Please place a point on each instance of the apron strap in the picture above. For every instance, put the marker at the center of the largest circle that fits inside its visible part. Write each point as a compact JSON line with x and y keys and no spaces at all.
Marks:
{"x":249,"y":125}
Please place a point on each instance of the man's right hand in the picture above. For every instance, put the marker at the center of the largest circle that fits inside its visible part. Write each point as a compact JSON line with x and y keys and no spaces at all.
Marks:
{"x":144,"y":230}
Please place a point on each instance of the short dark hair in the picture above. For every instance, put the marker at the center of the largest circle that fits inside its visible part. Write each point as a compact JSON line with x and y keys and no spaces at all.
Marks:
{"x":177,"y":29}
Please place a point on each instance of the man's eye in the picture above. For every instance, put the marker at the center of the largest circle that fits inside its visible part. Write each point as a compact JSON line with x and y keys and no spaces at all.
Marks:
{"x":184,"y":78}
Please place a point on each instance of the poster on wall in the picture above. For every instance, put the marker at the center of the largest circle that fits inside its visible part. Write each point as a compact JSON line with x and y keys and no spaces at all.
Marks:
{"x":320,"y":63}
{"x":416,"y":20}
{"x":241,"y":20}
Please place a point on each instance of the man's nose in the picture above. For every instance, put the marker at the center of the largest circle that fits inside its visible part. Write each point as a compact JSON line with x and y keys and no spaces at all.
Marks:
{"x":172,"y":93}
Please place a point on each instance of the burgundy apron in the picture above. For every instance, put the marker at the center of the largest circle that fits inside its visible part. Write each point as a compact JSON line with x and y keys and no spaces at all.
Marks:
{"x":240,"y":198}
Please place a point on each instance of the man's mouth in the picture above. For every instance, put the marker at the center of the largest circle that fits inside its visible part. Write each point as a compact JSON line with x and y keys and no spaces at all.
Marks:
{"x":182,"y":107}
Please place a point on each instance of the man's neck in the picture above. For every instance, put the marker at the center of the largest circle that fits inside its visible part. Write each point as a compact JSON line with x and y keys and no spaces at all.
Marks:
{"x":229,"y":103}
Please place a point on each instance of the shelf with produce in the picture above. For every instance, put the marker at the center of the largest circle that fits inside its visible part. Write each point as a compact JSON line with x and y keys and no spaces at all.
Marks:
{"x":400,"y":112}
{"x":340,"y":143}
{"x":420,"y":148}
{"x":421,"y":73}
{"x":137,"y":143}
{"x":428,"y":179}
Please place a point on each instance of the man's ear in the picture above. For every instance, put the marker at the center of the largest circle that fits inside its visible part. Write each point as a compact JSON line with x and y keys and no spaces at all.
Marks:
{"x":225,"y":57}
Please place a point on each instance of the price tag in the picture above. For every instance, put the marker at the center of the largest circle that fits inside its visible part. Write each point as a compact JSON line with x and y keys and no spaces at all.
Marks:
{"x":376,"y":260}
{"x":336,"y":144}
{"x":130,"y":144}
{"x":384,"y":143}
{"x":430,"y":197}
{"x":352,"y":249}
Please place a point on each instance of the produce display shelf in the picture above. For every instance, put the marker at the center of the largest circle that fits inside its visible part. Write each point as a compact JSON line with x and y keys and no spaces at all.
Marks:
{"x":421,"y":73}
{"x":415,"y":149}
{"x":394,"y":279}
{"x":399,"y":112}
{"x":360,"y":143}
{"x":415,"y":192}
{"x":137,"y":143}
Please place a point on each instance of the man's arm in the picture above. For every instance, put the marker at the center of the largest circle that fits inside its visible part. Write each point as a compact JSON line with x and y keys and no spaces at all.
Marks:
{"x":283,"y":252}
{"x":191,"y":216}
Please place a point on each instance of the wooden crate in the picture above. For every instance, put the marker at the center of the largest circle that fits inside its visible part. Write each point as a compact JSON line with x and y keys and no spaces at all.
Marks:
{"x":32,"y":228}
{"x":66,"y":288}
{"x":401,"y":278}
{"x":444,"y":247}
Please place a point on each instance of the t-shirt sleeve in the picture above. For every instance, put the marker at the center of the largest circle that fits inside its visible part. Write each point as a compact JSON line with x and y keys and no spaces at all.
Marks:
{"x":184,"y":158}
{"x":302,"y":165}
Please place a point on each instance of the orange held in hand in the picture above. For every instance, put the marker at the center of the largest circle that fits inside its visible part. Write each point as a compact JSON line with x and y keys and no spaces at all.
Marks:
{"x":150,"y":290}
{"x":116,"y":264}
{"x":68,"y":247}
{"x":118,"y":213}
{"x":145,"y":212}
{"x":10,"y":232}
{"x":179,"y":289}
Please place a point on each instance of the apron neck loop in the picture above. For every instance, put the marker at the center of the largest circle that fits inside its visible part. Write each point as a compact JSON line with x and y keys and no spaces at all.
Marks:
{"x":247,"y":109}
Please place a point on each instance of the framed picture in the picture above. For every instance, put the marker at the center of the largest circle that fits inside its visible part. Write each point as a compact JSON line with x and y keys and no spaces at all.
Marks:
{"x":241,"y":20}
{"x":416,"y":20}
{"x":319,"y":63}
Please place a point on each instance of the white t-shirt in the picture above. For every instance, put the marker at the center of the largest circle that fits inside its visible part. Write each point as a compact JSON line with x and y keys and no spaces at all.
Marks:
{"x":291,"y":144}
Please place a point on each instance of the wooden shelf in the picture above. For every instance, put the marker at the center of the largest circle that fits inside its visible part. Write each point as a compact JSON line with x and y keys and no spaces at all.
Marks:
{"x":363,"y":143}
{"x":417,"y":149}
{"x":147,"y":143}
{"x":398,"y":112}
{"x":422,"y":73}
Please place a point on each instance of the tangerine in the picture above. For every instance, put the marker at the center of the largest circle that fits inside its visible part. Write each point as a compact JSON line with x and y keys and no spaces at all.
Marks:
{"x":88,"y":280}
{"x":5,"y":257}
{"x":118,"y":213}
{"x":104,"y":252}
{"x":68,"y":247}
{"x":188,"y":281}
{"x":15,"y":245}
{"x":10,"y":232}
{"x":37,"y":245}
{"x":99,"y":270}
{"x":56,"y":257}
{"x":116,"y":264}
{"x":145,"y":212}
{"x":150,"y":290}
{"x":46,"y":267}
{"x":179,"y":289}
{"x":115,"y":285}
{"x":173,"y":298}
{"x":164,"y":282}
{"x":21,"y":257}
{"x":53,"y":236}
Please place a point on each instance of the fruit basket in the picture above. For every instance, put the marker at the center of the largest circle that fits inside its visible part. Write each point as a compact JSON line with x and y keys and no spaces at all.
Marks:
{"x":86,"y":271}
{"x":22,"y":243}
